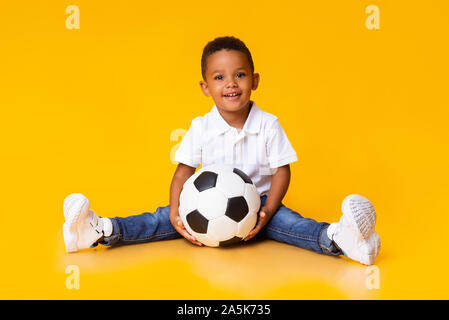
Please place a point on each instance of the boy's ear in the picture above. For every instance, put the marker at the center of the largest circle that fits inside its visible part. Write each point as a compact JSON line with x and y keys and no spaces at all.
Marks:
{"x":256,"y":79}
{"x":204,"y":88}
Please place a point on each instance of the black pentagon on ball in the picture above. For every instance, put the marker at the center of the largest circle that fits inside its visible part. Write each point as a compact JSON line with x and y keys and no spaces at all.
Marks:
{"x":197,"y":222}
{"x":237,"y":208}
{"x":242,"y":175}
{"x":205,"y":180}
{"x":230,"y":242}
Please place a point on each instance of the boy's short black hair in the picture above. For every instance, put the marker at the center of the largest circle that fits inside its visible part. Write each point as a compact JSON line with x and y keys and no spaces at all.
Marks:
{"x":220,"y":43}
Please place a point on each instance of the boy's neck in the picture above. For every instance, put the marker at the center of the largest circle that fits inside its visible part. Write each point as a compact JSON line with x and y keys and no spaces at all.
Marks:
{"x":236,"y":119}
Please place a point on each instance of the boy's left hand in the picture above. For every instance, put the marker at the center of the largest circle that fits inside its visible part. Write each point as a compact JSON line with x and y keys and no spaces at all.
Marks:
{"x":264,"y":216}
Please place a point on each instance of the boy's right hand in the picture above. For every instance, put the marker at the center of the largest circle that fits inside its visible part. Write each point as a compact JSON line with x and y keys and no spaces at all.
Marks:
{"x":179,"y":226}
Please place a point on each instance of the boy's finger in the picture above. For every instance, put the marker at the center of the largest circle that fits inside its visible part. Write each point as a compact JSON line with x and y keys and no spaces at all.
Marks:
{"x":255,"y":230}
{"x":257,"y":227}
{"x":251,"y":234}
{"x":191,"y":238}
{"x":181,"y":230}
{"x":194,"y":241}
{"x":248,"y":237}
{"x":187,"y":235}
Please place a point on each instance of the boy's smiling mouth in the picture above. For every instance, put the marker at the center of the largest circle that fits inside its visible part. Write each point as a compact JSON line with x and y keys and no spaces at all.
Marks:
{"x":232,"y":96}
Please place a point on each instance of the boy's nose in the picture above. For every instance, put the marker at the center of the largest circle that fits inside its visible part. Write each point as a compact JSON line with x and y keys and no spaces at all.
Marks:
{"x":231,"y":84}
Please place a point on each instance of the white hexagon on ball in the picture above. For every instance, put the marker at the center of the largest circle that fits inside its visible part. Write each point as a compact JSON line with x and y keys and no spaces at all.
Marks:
{"x":212,"y":203}
{"x":222,"y":228}
{"x":230,"y":184}
{"x":188,"y":199}
{"x":252,"y":197}
{"x":205,"y":239}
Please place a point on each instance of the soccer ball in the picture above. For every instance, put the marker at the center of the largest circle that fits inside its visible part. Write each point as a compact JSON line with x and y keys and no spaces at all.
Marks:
{"x":219,"y":205}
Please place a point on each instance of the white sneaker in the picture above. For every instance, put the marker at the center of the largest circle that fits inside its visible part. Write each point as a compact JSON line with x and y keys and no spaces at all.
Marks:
{"x":82,"y":227}
{"x":354,"y":233}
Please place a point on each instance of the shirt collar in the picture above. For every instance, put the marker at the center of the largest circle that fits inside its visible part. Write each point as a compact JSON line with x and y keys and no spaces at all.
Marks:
{"x":251,"y":126}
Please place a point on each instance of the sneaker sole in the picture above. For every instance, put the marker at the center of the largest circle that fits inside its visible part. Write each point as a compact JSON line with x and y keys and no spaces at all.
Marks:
{"x":364,"y":220}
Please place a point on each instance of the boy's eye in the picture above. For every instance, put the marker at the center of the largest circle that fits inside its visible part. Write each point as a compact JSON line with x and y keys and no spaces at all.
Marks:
{"x":218,"y":78}
{"x":240,"y":74}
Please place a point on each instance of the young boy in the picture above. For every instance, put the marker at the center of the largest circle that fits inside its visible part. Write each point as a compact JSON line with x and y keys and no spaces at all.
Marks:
{"x":235,"y":132}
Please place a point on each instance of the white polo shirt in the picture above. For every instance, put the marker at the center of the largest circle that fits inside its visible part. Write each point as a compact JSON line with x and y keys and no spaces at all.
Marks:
{"x":258,"y":149}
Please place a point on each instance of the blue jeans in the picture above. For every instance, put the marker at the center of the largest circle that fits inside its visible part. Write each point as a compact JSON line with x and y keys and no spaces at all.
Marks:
{"x":286,"y":226}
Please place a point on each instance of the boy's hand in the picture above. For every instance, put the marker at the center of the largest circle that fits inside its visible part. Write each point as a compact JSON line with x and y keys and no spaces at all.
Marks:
{"x":179,"y":226}
{"x":264,"y":216}
{"x":278,"y":188}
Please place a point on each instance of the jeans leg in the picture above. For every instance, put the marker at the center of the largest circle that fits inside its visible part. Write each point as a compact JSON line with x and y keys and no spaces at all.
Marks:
{"x":145,"y":227}
{"x":290,"y":227}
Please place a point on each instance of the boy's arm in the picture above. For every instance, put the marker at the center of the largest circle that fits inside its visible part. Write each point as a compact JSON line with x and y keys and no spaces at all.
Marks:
{"x":182,"y":173}
{"x":278,"y":189}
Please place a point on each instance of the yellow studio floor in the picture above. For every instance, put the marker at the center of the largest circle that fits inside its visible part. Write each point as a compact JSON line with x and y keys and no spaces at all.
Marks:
{"x":262,"y":269}
{"x":35,"y":265}
{"x":175,"y":269}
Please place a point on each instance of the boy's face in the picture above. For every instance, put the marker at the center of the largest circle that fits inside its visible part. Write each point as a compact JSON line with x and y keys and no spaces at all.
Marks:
{"x":229,"y":80}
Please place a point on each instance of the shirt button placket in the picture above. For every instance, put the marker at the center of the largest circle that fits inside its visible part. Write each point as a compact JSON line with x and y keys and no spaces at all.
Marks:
{"x":238,"y":146}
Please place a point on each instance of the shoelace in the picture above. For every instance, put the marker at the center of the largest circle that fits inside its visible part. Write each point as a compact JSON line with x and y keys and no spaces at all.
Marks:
{"x":96,"y":226}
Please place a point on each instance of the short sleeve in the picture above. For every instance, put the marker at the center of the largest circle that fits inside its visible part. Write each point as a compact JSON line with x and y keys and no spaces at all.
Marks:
{"x":189,"y":151}
{"x":279,"y":149}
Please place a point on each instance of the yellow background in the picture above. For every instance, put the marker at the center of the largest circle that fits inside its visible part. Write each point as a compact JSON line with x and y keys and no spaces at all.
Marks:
{"x":92,"y":110}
